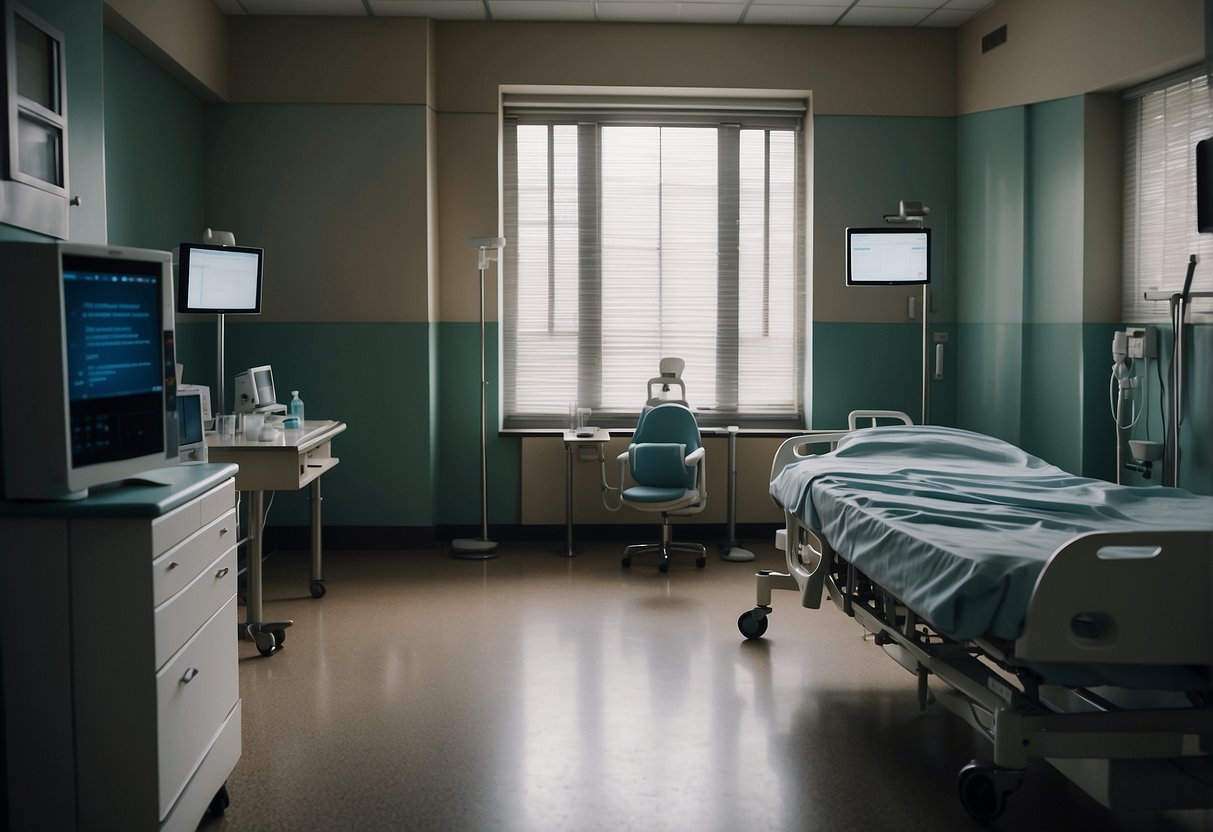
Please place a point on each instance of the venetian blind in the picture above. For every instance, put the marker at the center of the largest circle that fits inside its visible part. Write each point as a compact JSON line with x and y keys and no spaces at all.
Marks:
{"x":1162,"y":124}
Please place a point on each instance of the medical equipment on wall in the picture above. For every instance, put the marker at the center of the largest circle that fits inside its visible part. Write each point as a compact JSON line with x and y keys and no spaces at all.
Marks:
{"x":481,"y":548}
{"x":1129,"y":347}
{"x":1179,"y":303}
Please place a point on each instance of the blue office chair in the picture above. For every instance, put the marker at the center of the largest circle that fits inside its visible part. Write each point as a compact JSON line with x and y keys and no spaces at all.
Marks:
{"x":666,"y":463}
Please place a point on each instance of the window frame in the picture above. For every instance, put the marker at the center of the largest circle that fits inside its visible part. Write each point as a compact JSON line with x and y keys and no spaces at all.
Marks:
{"x":591,"y":114}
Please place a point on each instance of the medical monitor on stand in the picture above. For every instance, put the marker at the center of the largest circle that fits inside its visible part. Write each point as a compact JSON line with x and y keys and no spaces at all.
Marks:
{"x":888,"y":256}
{"x":219,"y":278}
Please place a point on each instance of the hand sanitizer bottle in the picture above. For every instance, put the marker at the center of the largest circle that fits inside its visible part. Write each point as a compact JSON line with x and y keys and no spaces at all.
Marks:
{"x":295,"y":408}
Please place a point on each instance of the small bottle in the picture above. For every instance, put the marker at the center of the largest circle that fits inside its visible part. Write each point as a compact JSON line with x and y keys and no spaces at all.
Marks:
{"x":295,"y":408}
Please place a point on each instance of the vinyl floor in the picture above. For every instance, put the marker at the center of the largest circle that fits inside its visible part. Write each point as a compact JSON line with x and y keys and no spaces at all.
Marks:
{"x":536,"y":692}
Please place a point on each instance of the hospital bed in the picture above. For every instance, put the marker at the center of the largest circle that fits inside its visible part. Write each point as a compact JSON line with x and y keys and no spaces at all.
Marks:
{"x":1063,"y":618}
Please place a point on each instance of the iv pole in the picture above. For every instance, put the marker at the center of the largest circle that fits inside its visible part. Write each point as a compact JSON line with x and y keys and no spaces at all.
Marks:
{"x":913,"y":212}
{"x":482,"y":548}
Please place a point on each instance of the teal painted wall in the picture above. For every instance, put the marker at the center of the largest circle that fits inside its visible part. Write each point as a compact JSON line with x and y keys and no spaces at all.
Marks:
{"x":874,"y":367}
{"x":863,"y":166}
{"x":990,"y":267}
{"x":1052,"y":401}
{"x":372,"y":376}
{"x":154,"y":132}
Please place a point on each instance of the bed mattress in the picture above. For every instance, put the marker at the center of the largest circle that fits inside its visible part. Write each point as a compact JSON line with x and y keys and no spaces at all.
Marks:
{"x":958,"y":525}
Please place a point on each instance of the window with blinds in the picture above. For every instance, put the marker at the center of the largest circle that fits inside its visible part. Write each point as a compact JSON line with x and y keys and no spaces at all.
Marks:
{"x":645,"y":228}
{"x":1162,"y":124}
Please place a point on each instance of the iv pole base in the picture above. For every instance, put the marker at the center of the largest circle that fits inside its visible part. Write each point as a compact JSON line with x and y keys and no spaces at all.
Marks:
{"x":473,"y":548}
{"x":733,"y":552}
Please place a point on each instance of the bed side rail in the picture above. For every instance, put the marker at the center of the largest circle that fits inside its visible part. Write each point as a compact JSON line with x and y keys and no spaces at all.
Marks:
{"x":1124,"y":597}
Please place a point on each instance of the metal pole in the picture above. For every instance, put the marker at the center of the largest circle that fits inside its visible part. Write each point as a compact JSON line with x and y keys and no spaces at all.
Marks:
{"x":926,"y":360}
{"x":219,"y":333}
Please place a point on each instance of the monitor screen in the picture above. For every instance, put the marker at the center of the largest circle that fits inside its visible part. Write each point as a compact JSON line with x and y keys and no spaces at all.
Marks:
{"x":115,"y":372}
{"x":87,"y":380}
{"x":888,"y":256}
{"x":219,"y":279}
{"x":189,"y":418}
{"x":263,"y":383}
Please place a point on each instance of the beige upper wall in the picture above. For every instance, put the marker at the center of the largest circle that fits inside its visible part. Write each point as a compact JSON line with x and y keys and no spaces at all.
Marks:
{"x":187,"y":38}
{"x":850,"y":71}
{"x":1060,"y":48}
{"x":329,"y":60}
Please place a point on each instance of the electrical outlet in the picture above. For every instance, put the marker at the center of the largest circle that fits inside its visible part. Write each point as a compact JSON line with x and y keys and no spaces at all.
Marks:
{"x":1141,"y":343}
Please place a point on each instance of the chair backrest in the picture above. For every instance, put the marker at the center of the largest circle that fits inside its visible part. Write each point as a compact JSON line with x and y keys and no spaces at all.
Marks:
{"x":664,"y":436}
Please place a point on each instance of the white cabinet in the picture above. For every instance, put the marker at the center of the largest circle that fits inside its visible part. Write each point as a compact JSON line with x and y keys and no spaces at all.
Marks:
{"x":118,"y":655}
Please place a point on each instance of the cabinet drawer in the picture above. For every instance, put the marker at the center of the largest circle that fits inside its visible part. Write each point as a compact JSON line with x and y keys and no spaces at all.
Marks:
{"x":195,"y":692}
{"x":181,"y":564}
{"x":177,"y":618}
{"x":181,"y":522}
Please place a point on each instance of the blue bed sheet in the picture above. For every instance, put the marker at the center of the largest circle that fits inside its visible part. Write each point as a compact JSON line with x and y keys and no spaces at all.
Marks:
{"x":958,"y":525}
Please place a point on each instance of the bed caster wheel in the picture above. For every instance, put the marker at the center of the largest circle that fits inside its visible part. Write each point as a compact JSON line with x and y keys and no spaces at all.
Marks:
{"x":663,"y":567}
{"x":626,"y":563}
{"x":220,"y":802}
{"x":752,"y":623}
{"x":700,"y":562}
{"x":317,"y":588}
{"x":265,"y":641}
{"x":984,"y":789}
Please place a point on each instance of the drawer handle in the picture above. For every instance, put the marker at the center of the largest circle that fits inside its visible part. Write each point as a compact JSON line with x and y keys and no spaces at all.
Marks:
{"x":220,"y":573}
{"x":223,"y":531}
{"x":172,"y":565}
{"x":189,"y":675}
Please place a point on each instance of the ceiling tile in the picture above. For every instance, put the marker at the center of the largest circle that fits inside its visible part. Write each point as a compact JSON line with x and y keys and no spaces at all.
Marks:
{"x":637,"y":11}
{"x":331,"y":8}
{"x":872,"y":16}
{"x":924,"y":5}
{"x":542,"y":9}
{"x":975,"y":5}
{"x":710,"y":12}
{"x":440,"y":9}
{"x":948,"y":18}
{"x":787,"y":15}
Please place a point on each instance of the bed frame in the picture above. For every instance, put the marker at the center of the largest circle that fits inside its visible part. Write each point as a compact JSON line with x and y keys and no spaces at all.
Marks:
{"x":1129,"y":750}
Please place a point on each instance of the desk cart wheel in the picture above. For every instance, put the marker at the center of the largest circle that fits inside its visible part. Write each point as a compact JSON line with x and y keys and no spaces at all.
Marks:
{"x":663,"y":567}
{"x":700,"y":562}
{"x":279,"y":637}
{"x":265,"y":641}
{"x":626,"y":563}
{"x":317,"y":588}
{"x":220,"y":802}
{"x":984,"y":789}
{"x":752,"y":623}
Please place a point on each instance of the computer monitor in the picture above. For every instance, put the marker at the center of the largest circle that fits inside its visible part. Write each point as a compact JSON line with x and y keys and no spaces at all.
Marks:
{"x":888,"y":256}
{"x":219,"y":279}
{"x":191,"y":425}
{"x":87,"y":374}
{"x":255,"y":391}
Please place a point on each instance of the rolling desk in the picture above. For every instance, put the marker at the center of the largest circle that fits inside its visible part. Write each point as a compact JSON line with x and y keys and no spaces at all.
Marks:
{"x":571,"y":441}
{"x":288,"y":462}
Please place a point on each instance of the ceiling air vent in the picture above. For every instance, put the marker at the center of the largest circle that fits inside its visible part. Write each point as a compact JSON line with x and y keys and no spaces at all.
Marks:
{"x":996,"y":38}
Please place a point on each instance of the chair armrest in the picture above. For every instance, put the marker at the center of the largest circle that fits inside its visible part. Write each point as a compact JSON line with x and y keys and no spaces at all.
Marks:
{"x":695,"y":456}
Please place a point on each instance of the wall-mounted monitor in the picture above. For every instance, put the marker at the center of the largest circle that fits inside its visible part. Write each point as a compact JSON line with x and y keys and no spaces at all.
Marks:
{"x":87,"y":386}
{"x":888,"y":256}
{"x":219,"y":279}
